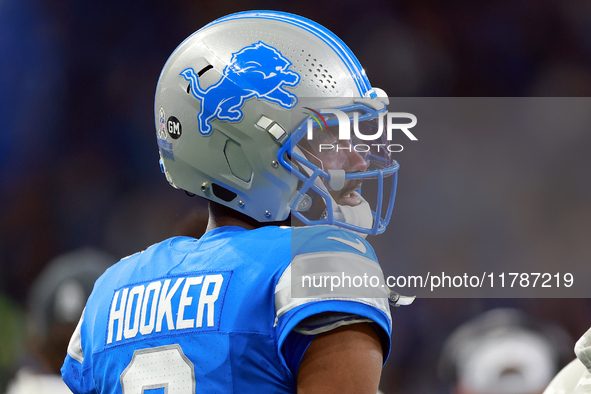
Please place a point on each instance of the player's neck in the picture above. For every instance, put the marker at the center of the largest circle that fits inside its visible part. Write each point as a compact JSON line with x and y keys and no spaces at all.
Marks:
{"x":220,"y":216}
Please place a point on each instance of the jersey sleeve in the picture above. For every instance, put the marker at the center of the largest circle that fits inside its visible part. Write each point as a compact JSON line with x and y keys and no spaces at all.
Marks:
{"x":76,"y":371}
{"x":333,"y":279}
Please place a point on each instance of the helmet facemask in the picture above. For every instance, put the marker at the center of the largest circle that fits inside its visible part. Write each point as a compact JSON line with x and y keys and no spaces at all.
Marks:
{"x":331,"y":164}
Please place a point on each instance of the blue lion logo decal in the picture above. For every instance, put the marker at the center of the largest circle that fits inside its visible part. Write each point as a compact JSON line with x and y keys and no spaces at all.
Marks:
{"x":257,"y":70}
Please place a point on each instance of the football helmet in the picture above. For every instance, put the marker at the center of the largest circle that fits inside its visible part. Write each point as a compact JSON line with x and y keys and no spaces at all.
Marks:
{"x":269,"y":113}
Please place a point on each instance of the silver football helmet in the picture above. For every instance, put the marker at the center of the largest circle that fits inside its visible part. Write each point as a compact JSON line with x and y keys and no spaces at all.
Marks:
{"x":240,"y":113}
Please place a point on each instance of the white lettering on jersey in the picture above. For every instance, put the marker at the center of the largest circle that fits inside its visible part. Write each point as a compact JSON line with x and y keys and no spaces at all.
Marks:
{"x":154,"y":289}
{"x":356,"y":245}
{"x":186,"y":301}
{"x":137,"y":293}
{"x":143,"y":308}
{"x":209,"y":299}
{"x":117,"y":314}
{"x":164,"y":306}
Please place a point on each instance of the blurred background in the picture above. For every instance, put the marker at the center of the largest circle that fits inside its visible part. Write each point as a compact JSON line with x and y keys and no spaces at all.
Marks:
{"x":79,"y":161}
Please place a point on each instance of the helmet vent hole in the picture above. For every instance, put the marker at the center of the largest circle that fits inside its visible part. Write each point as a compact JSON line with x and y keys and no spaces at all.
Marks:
{"x":204,"y":69}
{"x":222,"y":193}
{"x":313,"y":69}
{"x":200,"y":73}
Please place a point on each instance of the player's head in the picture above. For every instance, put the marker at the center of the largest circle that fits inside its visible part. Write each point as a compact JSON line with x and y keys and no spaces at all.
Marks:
{"x":269,"y":114}
{"x":503,"y":351}
{"x":56,"y":301}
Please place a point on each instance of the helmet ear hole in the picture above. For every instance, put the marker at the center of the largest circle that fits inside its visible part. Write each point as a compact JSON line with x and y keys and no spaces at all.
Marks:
{"x":222,"y":193}
{"x":237,"y":161}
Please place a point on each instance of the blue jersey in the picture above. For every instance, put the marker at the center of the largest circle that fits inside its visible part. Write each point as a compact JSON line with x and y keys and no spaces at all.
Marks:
{"x":211,"y":315}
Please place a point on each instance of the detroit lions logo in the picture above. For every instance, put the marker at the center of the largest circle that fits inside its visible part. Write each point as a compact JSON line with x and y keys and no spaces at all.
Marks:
{"x":257,"y":70}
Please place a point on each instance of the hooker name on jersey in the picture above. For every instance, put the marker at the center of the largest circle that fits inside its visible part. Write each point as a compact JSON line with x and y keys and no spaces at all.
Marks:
{"x":170,"y":304}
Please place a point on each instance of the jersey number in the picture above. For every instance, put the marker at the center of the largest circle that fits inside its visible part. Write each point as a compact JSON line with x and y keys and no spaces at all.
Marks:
{"x":162,"y":369}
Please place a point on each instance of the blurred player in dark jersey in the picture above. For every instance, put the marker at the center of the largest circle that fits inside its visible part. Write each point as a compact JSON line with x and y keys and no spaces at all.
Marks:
{"x":54,"y":306}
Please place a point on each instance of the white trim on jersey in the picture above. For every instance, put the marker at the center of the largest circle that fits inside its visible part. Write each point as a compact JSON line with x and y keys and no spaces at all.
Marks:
{"x":328,"y":265}
{"x":75,"y":345}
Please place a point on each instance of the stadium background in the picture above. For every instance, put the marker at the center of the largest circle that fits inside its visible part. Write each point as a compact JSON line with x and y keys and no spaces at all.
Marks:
{"x":79,"y":161}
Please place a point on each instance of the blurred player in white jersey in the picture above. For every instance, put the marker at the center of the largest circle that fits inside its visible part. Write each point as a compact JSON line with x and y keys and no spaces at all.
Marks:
{"x":575,"y":378}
